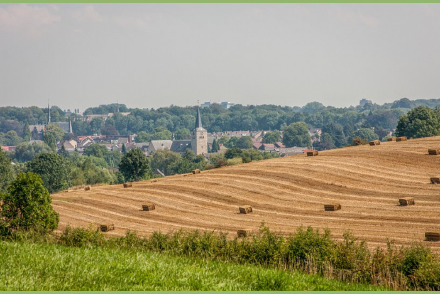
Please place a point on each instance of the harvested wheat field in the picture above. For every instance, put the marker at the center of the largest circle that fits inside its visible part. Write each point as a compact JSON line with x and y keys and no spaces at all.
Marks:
{"x":285,"y":193}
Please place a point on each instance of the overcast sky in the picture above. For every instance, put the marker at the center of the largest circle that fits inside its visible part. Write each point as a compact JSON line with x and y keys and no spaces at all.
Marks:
{"x":153,"y":55}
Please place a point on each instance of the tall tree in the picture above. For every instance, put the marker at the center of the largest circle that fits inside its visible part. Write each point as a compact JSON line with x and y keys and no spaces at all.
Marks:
{"x":26,"y":132}
{"x":6,"y":171}
{"x":297,"y":134}
{"x":49,"y":139}
{"x":135,"y":166}
{"x":53,"y":170}
{"x":336,"y":131}
{"x":27,"y":205}
{"x":419,"y":122}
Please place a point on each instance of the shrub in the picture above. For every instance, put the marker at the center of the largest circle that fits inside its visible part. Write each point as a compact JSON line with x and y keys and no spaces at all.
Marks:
{"x":27,"y":206}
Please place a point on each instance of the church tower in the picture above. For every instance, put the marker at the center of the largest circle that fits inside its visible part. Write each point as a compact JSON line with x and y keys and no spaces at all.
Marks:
{"x":199,"y":137}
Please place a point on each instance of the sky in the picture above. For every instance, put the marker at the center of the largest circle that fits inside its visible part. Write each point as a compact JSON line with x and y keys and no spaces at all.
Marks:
{"x":155,"y":55}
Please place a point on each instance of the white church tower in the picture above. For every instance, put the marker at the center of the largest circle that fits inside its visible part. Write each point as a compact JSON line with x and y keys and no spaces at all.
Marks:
{"x":199,"y":137}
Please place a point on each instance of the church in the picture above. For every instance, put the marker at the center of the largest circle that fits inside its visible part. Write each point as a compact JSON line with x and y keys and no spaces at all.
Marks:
{"x":198,"y":143}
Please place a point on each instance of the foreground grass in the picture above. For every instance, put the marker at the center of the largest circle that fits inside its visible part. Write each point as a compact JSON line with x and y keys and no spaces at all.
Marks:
{"x":32,"y":266}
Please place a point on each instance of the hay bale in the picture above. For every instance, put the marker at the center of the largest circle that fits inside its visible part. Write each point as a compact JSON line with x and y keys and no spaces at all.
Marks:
{"x":435,"y":180}
{"x":433,"y":151}
{"x":87,"y":188}
{"x":391,"y":139}
{"x":148,"y":207}
{"x":374,"y":142}
{"x":332,"y":207}
{"x":403,"y":138}
{"x":432,"y":236}
{"x":128,"y":185}
{"x":312,"y":153}
{"x":406,"y":201}
{"x":154,"y":181}
{"x":107,"y":227}
{"x":245,"y":209}
{"x":243,"y":233}
{"x":196,"y":171}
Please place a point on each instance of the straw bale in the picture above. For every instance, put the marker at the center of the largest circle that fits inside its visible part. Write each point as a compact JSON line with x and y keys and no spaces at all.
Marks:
{"x":403,"y":138}
{"x":375,"y":142}
{"x":435,"y":180}
{"x":433,"y":151}
{"x":312,"y":153}
{"x":148,"y":207}
{"x":406,"y":201}
{"x":432,"y":236}
{"x":128,"y":185}
{"x":391,"y":139}
{"x":107,"y":227}
{"x":87,"y":188}
{"x":245,"y":209}
{"x":332,"y":207}
{"x":196,"y":171}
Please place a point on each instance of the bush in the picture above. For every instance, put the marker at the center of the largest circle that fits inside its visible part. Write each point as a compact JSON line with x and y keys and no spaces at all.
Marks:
{"x":27,"y":206}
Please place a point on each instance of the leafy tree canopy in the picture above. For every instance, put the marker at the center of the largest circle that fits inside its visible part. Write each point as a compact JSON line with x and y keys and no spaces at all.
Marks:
{"x":135,"y":166}
{"x":53,"y":170}
{"x":297,"y":134}
{"x":419,"y":122}
{"x":6,"y":171}
{"x":26,"y":206}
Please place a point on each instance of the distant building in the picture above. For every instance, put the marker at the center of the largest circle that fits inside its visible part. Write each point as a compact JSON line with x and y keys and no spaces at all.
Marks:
{"x":199,"y":137}
{"x":198,"y":143}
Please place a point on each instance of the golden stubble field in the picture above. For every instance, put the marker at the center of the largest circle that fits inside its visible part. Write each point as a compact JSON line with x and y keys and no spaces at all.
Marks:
{"x":285,"y":193}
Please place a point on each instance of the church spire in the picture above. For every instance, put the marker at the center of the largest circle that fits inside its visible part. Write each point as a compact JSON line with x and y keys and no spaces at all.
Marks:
{"x":198,"y":119}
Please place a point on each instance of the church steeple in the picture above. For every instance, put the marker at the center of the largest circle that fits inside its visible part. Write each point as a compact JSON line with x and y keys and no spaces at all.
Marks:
{"x":198,"y":120}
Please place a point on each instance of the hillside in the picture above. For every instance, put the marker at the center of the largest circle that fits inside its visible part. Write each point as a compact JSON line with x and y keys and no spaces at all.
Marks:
{"x":285,"y":193}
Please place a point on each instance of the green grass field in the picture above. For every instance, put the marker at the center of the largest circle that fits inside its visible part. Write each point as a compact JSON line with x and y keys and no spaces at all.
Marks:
{"x":32,"y":266}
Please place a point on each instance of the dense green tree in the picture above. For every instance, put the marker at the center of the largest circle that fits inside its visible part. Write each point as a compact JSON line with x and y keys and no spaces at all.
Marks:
{"x":124,"y":149}
{"x":272,"y":137}
{"x":49,"y":139}
{"x":109,"y":130}
{"x":10,"y":139}
{"x":326,"y":142}
{"x":55,"y":130}
{"x":366,"y":134}
{"x":96,"y":150}
{"x":297,"y":134}
{"x":53,"y":170}
{"x":232,"y":142}
{"x":163,"y":159}
{"x":336,"y":131}
{"x":6,"y":171}
{"x":419,"y":122}
{"x":215,"y":146}
{"x":313,"y":107}
{"x":27,"y":206}
{"x":142,"y":137}
{"x":188,"y":162}
{"x":135,"y":166}
{"x":233,"y":152}
{"x":403,"y":103}
{"x":26,"y":132}
{"x":244,"y":142}
{"x":182,"y":134}
{"x":162,"y":134}
{"x":27,"y":151}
